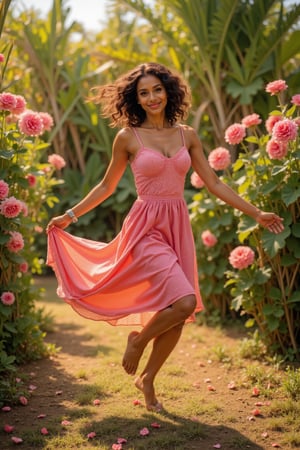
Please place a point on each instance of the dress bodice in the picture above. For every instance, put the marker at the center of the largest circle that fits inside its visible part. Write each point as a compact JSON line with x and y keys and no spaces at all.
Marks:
{"x":160,"y":176}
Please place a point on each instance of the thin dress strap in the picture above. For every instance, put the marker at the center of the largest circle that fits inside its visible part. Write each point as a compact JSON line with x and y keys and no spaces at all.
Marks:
{"x":137,"y":136}
{"x":182,"y":135}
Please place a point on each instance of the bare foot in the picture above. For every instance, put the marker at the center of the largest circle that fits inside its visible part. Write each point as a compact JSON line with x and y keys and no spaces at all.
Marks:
{"x":147,"y":388}
{"x":132,"y":354}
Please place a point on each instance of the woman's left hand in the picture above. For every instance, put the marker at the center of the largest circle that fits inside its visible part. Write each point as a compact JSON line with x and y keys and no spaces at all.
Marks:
{"x":270,"y":221}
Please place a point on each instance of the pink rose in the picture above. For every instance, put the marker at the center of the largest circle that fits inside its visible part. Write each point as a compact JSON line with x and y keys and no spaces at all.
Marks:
{"x":285,"y":130}
{"x":208,"y":238}
{"x":57,"y":161}
{"x":235,"y":133}
{"x":274,"y":87}
{"x":20,"y":105}
{"x":16,"y":242}
{"x":24,"y":209}
{"x":23,"y":267}
{"x":297,"y":121}
{"x":196,"y":181}
{"x":277,"y":150}
{"x":7,"y":298}
{"x":4,"y":189}
{"x":30,"y":123}
{"x":219,"y":158}
{"x":296,"y":99}
{"x":241,"y":257}
{"x":270,"y":122}
{"x":7,"y":101}
{"x":10,"y":207}
{"x":47,"y":120}
{"x":251,"y":120}
{"x":31,"y":180}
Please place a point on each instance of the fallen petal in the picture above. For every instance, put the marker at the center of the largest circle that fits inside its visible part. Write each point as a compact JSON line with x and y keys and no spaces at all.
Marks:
{"x":259,"y":404}
{"x":32,"y":387}
{"x":6,"y":408}
{"x":217,"y":446}
{"x":211,"y":388}
{"x":96,"y":402}
{"x":8,"y":428}
{"x":255,"y":392}
{"x":91,"y":435}
{"x":23,"y":400}
{"x":144,"y":431}
{"x":137,"y":402}
{"x":121,"y":440}
{"x":275,"y":445}
{"x":231,"y":385}
{"x":66,"y":423}
{"x":58,"y":392}
{"x":264,"y":434}
{"x":256,"y":412}
{"x":155,"y":425}
{"x":44,"y":431}
{"x":251,"y":418}
{"x":41,"y":416}
{"x":207,"y":380}
{"x":16,"y":440}
{"x":116,"y":447}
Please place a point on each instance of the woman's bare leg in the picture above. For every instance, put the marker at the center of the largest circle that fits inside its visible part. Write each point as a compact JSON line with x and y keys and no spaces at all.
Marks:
{"x":161,"y":322}
{"x":162,"y":347}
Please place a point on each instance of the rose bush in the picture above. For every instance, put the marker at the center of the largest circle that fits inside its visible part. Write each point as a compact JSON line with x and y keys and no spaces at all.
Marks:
{"x":265,"y":285}
{"x":26,"y":183}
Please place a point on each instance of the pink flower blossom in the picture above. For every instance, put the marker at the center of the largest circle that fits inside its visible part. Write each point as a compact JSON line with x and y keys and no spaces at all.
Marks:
{"x":208,"y":238}
{"x":285,"y":130}
{"x":251,"y":120}
{"x":235,"y":133}
{"x":11,"y":118}
{"x":7,"y":298}
{"x":241,"y":257}
{"x":276,"y":150}
{"x":23,"y":400}
{"x":10,"y":207}
{"x":219,"y":158}
{"x":16,"y":242}
{"x":57,"y":161}
{"x":30,"y":123}
{"x":47,"y":120}
{"x":31,"y":179}
{"x":274,"y":87}
{"x":24,"y":209}
{"x":2,"y":58}
{"x":196,"y":181}
{"x":7,"y":101}
{"x":270,"y":122}
{"x":4,"y":189}
{"x":8,"y":428}
{"x":297,"y":121}
{"x":20,"y":105}
{"x":296,"y":99}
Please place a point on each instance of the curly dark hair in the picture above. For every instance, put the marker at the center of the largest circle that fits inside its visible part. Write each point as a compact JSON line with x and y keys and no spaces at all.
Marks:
{"x":119,"y":99}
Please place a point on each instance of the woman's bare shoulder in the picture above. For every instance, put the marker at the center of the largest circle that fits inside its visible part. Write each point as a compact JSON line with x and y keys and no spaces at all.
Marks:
{"x":126,"y":140}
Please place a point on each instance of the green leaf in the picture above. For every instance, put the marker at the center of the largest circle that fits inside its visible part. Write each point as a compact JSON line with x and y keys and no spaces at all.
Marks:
{"x":290,"y":194}
{"x":252,"y":139}
{"x":295,"y":297}
{"x":275,"y":293}
{"x":290,"y":111}
{"x":274,"y":242}
{"x":288,"y":260}
{"x":296,"y":230}
{"x":272,"y":323}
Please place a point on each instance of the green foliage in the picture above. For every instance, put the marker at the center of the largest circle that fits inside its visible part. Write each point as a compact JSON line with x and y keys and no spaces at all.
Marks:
{"x":26,"y":194}
{"x":291,"y":384}
{"x":268,"y":290}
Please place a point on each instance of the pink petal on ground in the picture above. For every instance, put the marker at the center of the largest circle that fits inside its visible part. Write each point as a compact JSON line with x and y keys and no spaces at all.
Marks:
{"x":116,"y":447}
{"x":155,"y":425}
{"x":275,"y":445}
{"x":23,"y":400}
{"x":66,"y":423}
{"x":259,"y":404}
{"x":255,"y":392}
{"x":121,"y":440}
{"x":207,"y":380}
{"x":96,"y":402}
{"x":264,"y":434}
{"x":18,"y":380}
{"x":256,"y":412}
{"x":201,"y":364}
{"x":137,"y":402}
{"x":16,"y":440}
{"x":41,"y":416}
{"x":32,"y":387}
{"x":91,"y":435}
{"x":6,"y":408}
{"x":58,"y":392}
{"x":211,"y":388}
{"x":44,"y":431}
{"x":251,"y":418}
{"x":8,"y":428}
{"x":231,"y":385}
{"x":144,"y":431}
{"x":217,"y":446}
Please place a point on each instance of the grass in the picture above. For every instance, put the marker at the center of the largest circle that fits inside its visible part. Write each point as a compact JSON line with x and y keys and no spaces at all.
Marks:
{"x":88,"y":368}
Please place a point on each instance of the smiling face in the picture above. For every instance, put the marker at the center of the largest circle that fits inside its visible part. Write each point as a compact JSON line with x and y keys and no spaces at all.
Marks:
{"x":151,"y":95}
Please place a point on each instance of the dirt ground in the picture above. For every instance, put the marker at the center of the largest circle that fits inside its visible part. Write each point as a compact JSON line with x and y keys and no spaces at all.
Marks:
{"x":57,"y":384}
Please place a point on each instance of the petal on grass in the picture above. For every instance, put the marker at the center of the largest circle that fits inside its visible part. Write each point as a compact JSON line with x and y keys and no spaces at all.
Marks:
{"x":155,"y":425}
{"x":217,"y":446}
{"x":66,"y":423}
{"x":44,"y":431}
{"x":91,"y":435}
{"x":16,"y":440}
{"x":121,"y":440}
{"x":96,"y":402}
{"x":6,"y":408}
{"x":137,"y":402}
{"x":8,"y":428}
{"x":144,"y":431}
{"x":41,"y":416}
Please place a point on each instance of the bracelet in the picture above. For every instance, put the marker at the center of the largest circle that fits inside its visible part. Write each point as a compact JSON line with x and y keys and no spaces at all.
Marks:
{"x":71,"y":214}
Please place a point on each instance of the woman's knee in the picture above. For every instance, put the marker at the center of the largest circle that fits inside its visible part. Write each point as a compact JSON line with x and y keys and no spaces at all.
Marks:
{"x":187,"y":305}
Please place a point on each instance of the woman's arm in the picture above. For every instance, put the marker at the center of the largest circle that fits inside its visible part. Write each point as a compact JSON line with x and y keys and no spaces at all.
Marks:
{"x":223,"y":191}
{"x":106,"y":186}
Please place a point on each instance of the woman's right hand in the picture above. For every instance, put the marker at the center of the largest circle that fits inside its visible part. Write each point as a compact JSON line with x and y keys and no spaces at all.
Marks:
{"x":62,"y":221}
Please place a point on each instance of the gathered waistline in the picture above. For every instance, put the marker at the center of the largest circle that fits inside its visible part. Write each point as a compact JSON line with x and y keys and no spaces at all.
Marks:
{"x":159,"y":198}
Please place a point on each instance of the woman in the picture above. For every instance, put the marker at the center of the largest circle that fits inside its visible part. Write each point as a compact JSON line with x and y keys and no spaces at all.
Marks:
{"x":147,"y":275}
